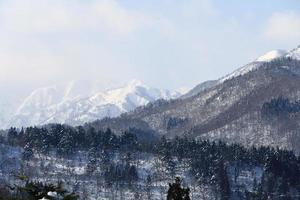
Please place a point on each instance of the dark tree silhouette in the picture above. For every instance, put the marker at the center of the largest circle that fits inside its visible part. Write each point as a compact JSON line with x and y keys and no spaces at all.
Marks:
{"x":176,"y":192}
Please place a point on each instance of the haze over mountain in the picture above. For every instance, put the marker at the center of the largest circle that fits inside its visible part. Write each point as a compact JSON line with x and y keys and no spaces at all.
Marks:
{"x":78,"y":102}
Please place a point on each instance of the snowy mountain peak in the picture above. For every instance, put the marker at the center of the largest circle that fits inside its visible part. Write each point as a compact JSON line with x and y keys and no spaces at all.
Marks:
{"x":78,"y":102}
{"x":271,"y":55}
{"x":40,"y":98}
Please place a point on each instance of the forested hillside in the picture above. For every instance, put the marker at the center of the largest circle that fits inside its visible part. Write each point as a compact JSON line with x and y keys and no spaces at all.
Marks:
{"x":103,"y":165}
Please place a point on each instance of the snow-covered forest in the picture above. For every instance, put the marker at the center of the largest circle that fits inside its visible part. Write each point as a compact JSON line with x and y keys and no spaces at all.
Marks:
{"x":103,"y":165}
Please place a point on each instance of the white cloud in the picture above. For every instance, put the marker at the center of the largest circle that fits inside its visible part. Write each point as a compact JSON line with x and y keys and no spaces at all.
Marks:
{"x":284,"y":26}
{"x":28,"y":59}
{"x":63,"y":39}
{"x":34,"y":16}
{"x":117,"y":40}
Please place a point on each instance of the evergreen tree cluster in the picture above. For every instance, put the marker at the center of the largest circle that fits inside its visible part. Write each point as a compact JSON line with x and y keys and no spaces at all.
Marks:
{"x":121,"y":174}
{"x":279,"y":106}
{"x":66,"y":140}
{"x":209,"y":162}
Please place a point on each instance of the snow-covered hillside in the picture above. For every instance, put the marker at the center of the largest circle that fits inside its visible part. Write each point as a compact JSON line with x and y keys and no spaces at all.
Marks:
{"x":230,"y":110}
{"x":267,"y":57}
{"x":79,"y":102}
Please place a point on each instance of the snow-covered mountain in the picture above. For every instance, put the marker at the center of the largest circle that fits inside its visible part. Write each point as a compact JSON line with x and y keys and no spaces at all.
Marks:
{"x":231,"y":108}
{"x":271,"y":55}
{"x":267,"y":57}
{"x":78,"y":102}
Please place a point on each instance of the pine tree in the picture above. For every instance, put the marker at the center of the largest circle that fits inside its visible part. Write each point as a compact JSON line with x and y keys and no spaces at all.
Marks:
{"x":27,"y":153}
{"x":92,"y":160}
{"x":132,"y":174}
{"x":176,"y":192}
{"x":12,"y":136}
{"x":148,"y":187}
{"x":222,"y":180}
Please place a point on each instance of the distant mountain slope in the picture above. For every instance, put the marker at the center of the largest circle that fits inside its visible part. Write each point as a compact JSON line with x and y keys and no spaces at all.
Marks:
{"x":231,"y":109}
{"x":77,"y":103}
{"x":199,"y":88}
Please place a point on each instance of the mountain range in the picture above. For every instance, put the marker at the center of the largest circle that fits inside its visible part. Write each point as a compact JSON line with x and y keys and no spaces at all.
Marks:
{"x":232,"y":108}
{"x":78,"y":102}
{"x":257,"y":104}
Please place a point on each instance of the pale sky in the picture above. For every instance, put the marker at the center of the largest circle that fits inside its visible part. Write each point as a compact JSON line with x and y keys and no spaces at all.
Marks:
{"x":165,"y":43}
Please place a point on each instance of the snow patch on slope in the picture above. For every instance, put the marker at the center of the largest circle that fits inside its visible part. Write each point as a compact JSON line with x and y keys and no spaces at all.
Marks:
{"x":295,"y":53}
{"x":271,"y":55}
{"x":241,"y":71}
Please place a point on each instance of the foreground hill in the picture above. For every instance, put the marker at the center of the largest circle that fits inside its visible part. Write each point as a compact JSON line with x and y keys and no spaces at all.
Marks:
{"x":232,"y":108}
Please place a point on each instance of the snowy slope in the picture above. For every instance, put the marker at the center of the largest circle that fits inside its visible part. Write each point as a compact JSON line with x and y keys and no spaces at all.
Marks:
{"x":295,"y":53}
{"x":269,"y":56}
{"x":76,"y":103}
{"x":199,"y":88}
{"x":241,"y":71}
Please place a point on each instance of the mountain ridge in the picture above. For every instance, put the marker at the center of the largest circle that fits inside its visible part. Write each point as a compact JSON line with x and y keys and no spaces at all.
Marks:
{"x":76,"y":103}
{"x":226,"y":107}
